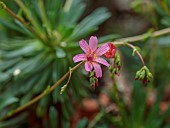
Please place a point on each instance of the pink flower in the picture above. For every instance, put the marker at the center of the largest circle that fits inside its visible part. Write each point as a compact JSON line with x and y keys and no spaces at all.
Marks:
{"x":111,"y":52}
{"x":92,"y":55}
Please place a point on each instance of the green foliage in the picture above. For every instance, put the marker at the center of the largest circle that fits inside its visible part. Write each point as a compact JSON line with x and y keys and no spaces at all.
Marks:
{"x":82,"y":123}
{"x":37,"y":51}
{"x":12,"y":123}
{"x":40,"y":52}
{"x":162,"y":8}
{"x":138,"y":115}
{"x":53,"y":117}
{"x":156,"y":51}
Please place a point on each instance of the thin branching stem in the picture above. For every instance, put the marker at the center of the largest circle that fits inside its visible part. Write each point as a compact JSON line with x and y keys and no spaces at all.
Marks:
{"x":143,"y":36}
{"x":123,"y":41}
{"x":137,"y":52}
{"x":134,"y":49}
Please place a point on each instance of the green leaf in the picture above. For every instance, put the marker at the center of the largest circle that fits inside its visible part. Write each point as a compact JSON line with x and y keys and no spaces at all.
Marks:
{"x":28,"y":85}
{"x":167,"y":126}
{"x":4,"y":77}
{"x":12,"y":122}
{"x":10,"y":25}
{"x":54,"y":8}
{"x":53,"y":117}
{"x":65,"y":123}
{"x":138,"y":106}
{"x":159,"y":9}
{"x":41,"y":84}
{"x":90,"y":23}
{"x":6,"y":64}
{"x":26,"y":98}
{"x":42,"y":106}
{"x":82,"y":123}
{"x":163,"y":42}
{"x":18,"y":52}
{"x":108,"y":38}
{"x":8,"y":100}
{"x":74,"y":12}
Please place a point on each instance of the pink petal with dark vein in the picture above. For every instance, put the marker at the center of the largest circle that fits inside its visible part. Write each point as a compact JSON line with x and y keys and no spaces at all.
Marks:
{"x":79,"y":57}
{"x":102,"y":61}
{"x":93,"y":42}
{"x":98,"y":70}
{"x":84,"y":46}
{"x":102,"y":50}
{"x":88,"y":66}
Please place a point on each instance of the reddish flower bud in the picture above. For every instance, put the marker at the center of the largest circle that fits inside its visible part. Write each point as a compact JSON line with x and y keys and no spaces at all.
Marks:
{"x":144,"y":74}
{"x":111,"y":52}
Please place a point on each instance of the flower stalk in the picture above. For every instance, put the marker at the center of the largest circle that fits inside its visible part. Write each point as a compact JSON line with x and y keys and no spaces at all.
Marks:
{"x":65,"y":86}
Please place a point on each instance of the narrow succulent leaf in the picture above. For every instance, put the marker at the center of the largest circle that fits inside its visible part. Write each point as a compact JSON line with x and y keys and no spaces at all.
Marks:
{"x":76,"y":9}
{"x":41,"y":84}
{"x":28,"y":85}
{"x":10,"y":25}
{"x":53,"y":117}
{"x":42,"y":106}
{"x":54,"y":8}
{"x":4,"y":77}
{"x":138,"y":105}
{"x":7,"y":101}
{"x":107,"y":38}
{"x":159,"y":9}
{"x":6,"y":64}
{"x":14,"y":121}
{"x":65,"y":123}
{"x":18,"y":52}
{"x":82,"y":123}
{"x":26,"y":98}
{"x":90,"y":21}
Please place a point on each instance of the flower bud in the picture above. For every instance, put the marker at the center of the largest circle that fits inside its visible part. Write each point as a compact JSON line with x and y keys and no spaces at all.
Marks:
{"x":93,"y":80}
{"x":111,"y":52}
{"x":63,"y":88}
{"x":115,"y":68}
{"x":144,"y":74}
{"x":111,"y":68}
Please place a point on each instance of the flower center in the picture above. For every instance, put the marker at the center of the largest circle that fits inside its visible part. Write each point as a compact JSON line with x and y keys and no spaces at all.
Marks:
{"x":91,"y":57}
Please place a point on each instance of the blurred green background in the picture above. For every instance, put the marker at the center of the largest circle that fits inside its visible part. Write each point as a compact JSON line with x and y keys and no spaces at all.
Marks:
{"x":32,"y":61}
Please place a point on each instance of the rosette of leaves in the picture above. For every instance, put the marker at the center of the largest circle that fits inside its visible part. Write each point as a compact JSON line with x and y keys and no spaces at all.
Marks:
{"x":39,"y":51}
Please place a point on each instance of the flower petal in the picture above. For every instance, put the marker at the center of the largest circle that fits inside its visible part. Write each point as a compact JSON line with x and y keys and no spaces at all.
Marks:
{"x":102,"y":61}
{"x":88,"y":66}
{"x":84,"y":46}
{"x":98,"y":70}
{"x":79,"y":57}
{"x":102,"y":50}
{"x":93,"y":42}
